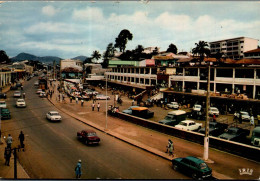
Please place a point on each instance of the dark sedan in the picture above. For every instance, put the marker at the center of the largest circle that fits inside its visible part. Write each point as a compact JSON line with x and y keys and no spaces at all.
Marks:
{"x":192,"y":166}
{"x":2,"y":96}
{"x":215,"y":129}
{"x":234,"y":134}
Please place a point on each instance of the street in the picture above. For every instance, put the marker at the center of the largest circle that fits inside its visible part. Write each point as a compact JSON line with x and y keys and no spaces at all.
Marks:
{"x":52,"y":149}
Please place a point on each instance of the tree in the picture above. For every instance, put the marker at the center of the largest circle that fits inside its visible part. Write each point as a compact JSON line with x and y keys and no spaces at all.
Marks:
{"x":3,"y":57}
{"x":201,"y":49}
{"x":218,"y":56}
{"x":155,"y":51}
{"x":109,"y":53}
{"x":96,"y":55}
{"x":138,"y":52}
{"x":172,"y":48}
{"x":88,"y":60}
{"x":122,"y":39}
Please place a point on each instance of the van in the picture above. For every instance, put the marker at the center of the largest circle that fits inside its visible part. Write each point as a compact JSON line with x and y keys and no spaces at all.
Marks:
{"x":174,"y":117}
{"x":255,"y":139}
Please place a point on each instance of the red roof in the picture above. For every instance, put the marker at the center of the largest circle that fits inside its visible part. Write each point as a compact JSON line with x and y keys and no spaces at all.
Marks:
{"x":248,"y":61}
{"x":253,"y":51}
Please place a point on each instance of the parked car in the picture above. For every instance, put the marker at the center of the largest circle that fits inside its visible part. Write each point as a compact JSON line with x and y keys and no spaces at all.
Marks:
{"x":88,"y":136}
{"x":102,"y":97}
{"x":197,"y":107}
{"x":90,"y":92}
{"x":255,"y":139}
{"x":234,"y":134}
{"x":173,"y":105}
{"x":192,"y":166}
{"x":20,"y":103}
{"x":13,"y":87}
{"x":18,"y":84}
{"x":245,"y":115}
{"x":43,"y":94}
{"x":17,"y":94}
{"x":215,"y":129}
{"x":3,"y":96}
{"x":5,"y":113}
{"x":142,"y":112}
{"x":2,"y":104}
{"x":213,"y":111}
{"x":53,"y":116}
{"x":38,"y":91}
{"x":189,"y":125}
{"x":129,"y":110}
{"x":174,"y":117}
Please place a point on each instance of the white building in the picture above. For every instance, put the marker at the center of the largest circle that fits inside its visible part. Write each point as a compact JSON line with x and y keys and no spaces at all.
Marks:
{"x":77,"y":64}
{"x":233,"y":48}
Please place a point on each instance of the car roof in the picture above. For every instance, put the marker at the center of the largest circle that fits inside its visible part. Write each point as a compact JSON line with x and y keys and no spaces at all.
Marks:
{"x":140,"y":108}
{"x":213,"y":108}
{"x":177,"y":112}
{"x":195,"y":159}
{"x":20,"y":99}
{"x":174,"y":102}
{"x":53,"y":112}
{"x":188,"y":121}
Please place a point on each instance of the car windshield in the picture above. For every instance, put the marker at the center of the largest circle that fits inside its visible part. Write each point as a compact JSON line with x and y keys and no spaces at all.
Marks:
{"x":20,"y":100}
{"x":91,"y":134}
{"x":197,"y":106}
{"x":17,"y":92}
{"x":183,"y":123}
{"x":244,"y":113}
{"x":203,"y":166}
{"x":214,"y":109}
{"x":212,"y":125}
{"x":168,"y":117}
{"x":55,"y":114}
{"x":231,"y":131}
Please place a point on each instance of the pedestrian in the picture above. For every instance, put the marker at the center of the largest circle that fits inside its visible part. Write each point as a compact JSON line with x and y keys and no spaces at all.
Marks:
{"x":21,"y":138}
{"x":214,"y":118}
{"x":240,"y":118}
{"x":98,"y":107}
{"x":9,"y":141}
{"x":171,"y":149}
{"x":21,"y":87}
{"x":70,"y":99}
{"x":78,"y":170}
{"x":77,"y":100}
{"x":133,"y":102}
{"x":252,"y":120}
{"x":7,"y":155}
{"x":24,"y":95}
{"x":93,"y":106}
{"x":82,"y":102}
{"x":169,"y":145}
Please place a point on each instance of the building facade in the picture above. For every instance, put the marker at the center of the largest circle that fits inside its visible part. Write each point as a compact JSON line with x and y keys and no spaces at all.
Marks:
{"x":233,"y":48}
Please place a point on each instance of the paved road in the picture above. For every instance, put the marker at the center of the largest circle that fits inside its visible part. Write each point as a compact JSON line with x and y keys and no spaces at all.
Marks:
{"x":52,"y":149}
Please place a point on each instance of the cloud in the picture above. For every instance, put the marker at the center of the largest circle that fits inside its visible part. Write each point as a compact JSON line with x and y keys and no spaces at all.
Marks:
{"x":51,"y":27}
{"x":49,"y":10}
{"x":88,"y":14}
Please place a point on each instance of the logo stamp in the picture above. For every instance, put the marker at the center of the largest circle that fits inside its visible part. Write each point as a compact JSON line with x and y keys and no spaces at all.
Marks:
{"x":245,"y":171}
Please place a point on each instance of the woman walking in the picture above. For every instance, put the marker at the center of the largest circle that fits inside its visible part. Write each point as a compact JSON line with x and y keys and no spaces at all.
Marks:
{"x":78,"y":170}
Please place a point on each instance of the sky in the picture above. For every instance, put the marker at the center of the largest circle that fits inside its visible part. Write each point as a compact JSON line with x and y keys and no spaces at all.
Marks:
{"x":68,"y":29}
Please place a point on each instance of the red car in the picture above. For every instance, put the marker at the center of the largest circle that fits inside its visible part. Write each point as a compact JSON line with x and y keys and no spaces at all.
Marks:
{"x":88,"y":136}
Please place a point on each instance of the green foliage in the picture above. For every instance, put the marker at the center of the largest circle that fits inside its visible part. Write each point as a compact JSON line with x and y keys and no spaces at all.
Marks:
{"x":109,"y":53}
{"x":122,"y":39}
{"x":201,"y":49}
{"x":3,"y":57}
{"x":96,"y":55}
{"x":172,"y":48}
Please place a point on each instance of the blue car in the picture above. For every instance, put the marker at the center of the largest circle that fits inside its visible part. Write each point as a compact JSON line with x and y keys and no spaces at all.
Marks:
{"x":129,"y":110}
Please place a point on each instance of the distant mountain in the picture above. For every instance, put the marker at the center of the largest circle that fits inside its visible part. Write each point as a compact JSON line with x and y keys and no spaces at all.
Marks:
{"x":81,"y":57}
{"x":27,"y":56}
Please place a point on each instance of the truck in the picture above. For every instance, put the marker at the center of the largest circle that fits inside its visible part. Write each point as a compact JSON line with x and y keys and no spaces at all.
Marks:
{"x":174,"y":117}
{"x":142,"y":112}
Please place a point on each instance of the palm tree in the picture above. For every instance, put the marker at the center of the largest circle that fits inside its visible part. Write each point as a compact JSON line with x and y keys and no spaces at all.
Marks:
{"x":96,"y":55}
{"x":201,"y":49}
{"x":172,"y":48}
{"x":109,"y":53}
{"x":122,"y":39}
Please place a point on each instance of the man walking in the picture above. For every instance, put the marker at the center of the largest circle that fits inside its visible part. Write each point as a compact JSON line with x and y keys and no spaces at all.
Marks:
{"x":78,"y":170}
{"x":98,"y":107}
{"x":21,"y":138}
{"x":9,"y":141}
{"x":82,"y":102}
{"x":7,"y":155}
{"x":169,"y":145}
{"x":93,"y":106}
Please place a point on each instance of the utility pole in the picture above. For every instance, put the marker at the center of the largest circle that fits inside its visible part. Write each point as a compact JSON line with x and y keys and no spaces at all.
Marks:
{"x":106,"y":101}
{"x":15,"y":164}
{"x":54,"y":68}
{"x":206,"y":138}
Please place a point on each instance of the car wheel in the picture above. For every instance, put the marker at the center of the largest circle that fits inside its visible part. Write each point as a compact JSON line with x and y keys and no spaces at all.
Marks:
{"x":175,"y":167}
{"x":194,"y":176}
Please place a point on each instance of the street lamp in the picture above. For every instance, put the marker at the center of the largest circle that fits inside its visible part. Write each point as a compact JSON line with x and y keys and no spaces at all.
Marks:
{"x":206,"y":138}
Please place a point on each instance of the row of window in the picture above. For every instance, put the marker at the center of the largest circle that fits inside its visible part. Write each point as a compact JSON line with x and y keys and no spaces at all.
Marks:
{"x":132,"y":79}
{"x":135,"y":70}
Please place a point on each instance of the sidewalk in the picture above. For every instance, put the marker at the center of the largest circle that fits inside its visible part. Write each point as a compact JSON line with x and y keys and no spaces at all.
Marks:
{"x":224,"y":165}
{"x":7,"y":172}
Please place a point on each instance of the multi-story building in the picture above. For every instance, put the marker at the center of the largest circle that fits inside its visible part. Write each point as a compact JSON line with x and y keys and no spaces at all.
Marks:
{"x":71,"y":69}
{"x":233,"y":48}
{"x":252,"y":53}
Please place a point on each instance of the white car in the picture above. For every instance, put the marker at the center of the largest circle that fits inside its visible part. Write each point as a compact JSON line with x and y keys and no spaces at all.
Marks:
{"x":173,"y":105}
{"x":197,"y":107}
{"x":189,"y":125}
{"x":17,"y":94}
{"x":42,"y":94}
{"x":102,"y":97}
{"x":20,"y":103}
{"x":38,"y":91}
{"x":213,"y":111}
{"x":53,"y":116}
{"x":2,"y":104}
{"x":245,"y":115}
